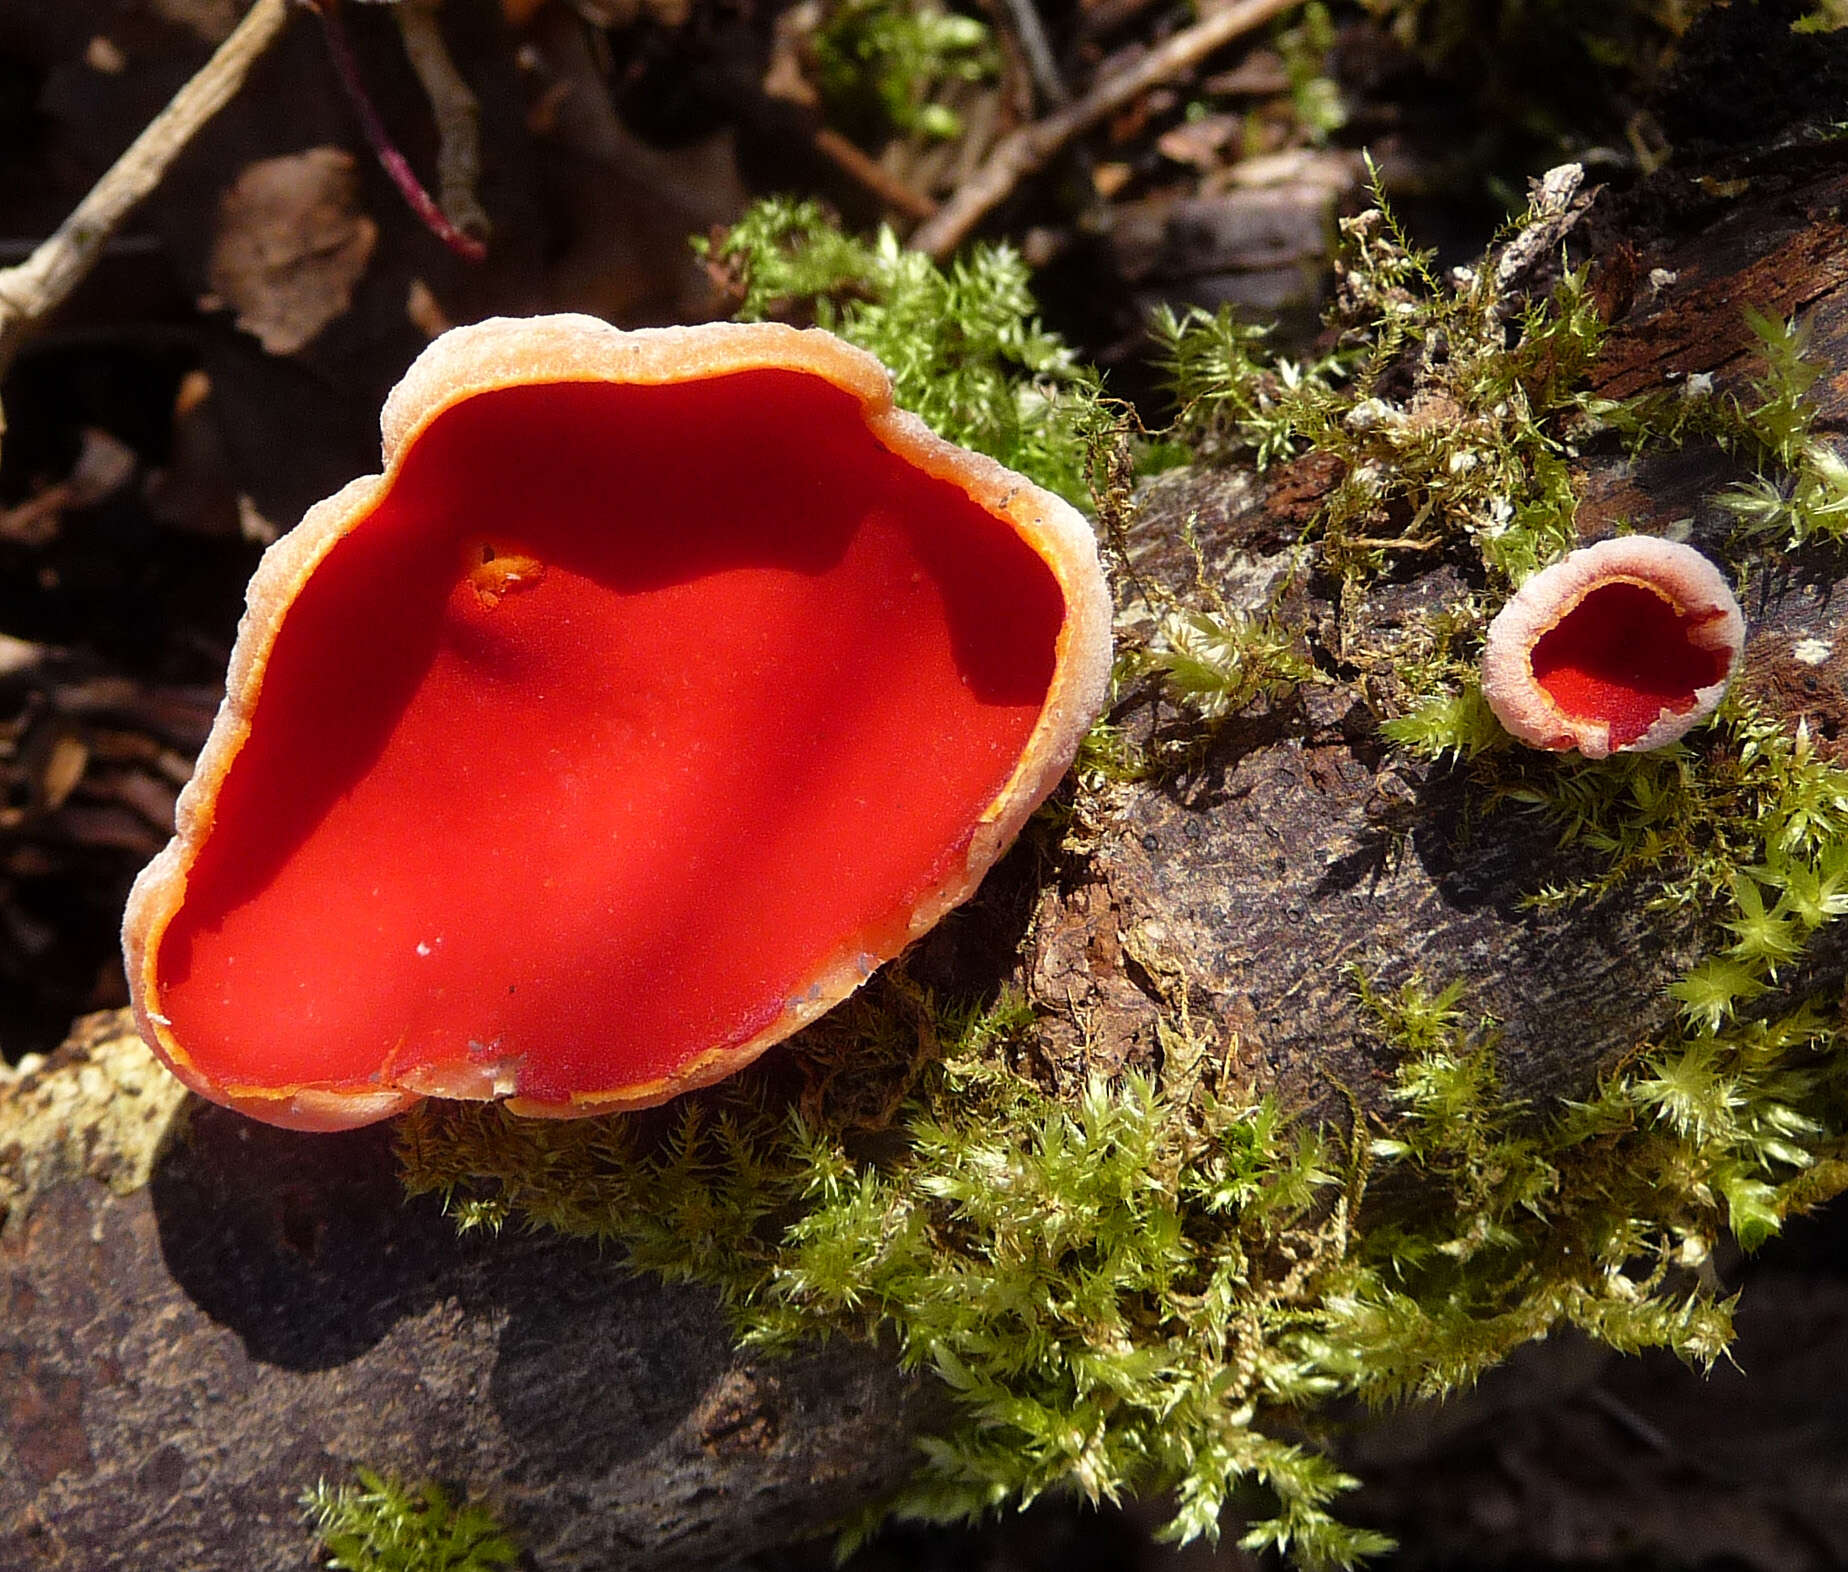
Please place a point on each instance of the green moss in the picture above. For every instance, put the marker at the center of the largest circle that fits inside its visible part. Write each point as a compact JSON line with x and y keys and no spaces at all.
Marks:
{"x":1827,"y":16}
{"x":1156,"y":1283}
{"x":1602,"y":1215}
{"x":1450,"y":405}
{"x":964,"y":347}
{"x":376,"y":1524}
{"x":1217,"y":662}
{"x":1096,"y":1279}
{"x":1449,"y":408}
{"x":1805,"y":493}
{"x":879,"y":65}
{"x":1314,"y":95}
{"x":1152,"y":1285}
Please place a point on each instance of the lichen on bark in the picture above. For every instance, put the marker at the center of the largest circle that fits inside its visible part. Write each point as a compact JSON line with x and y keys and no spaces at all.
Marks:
{"x":104,"y":1112}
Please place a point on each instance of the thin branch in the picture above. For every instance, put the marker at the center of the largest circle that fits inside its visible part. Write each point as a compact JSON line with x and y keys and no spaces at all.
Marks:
{"x":871,"y":175}
{"x":36,"y":287}
{"x":458,"y":116}
{"x":1024,"y":19}
{"x":1028,"y":150}
{"x":393,"y":162}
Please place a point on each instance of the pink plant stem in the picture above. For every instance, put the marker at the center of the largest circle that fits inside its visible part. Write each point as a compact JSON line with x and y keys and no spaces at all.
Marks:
{"x":390,"y":159}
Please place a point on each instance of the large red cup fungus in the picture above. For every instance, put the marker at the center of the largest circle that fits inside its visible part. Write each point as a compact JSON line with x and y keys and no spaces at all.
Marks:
{"x":1618,"y":647}
{"x":664,"y":685}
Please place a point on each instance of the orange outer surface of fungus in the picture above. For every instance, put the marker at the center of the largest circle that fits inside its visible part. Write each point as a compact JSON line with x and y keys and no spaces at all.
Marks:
{"x":1619,"y":647}
{"x":664,"y":685}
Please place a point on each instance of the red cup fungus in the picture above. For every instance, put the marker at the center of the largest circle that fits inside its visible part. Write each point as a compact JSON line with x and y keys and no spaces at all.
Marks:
{"x":664,"y":685}
{"x":1619,"y":647}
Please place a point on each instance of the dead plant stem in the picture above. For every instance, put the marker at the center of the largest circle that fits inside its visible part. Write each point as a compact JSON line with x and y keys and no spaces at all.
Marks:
{"x":458,"y":117}
{"x":868,"y":172}
{"x":36,"y":287}
{"x":1028,"y":150}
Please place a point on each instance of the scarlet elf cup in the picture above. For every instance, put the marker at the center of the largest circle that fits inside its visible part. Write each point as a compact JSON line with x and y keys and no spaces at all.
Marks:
{"x":663,"y":685}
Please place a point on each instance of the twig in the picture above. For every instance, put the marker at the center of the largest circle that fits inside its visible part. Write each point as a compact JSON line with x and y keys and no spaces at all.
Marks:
{"x":44,"y":281}
{"x":868,"y":172}
{"x":1026,"y":151}
{"x":393,"y":162}
{"x":1024,"y":19}
{"x":458,"y":117}
{"x":1397,"y":543}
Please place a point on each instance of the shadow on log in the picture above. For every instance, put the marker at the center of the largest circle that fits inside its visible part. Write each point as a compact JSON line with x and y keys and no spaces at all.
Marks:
{"x":205,"y":1315}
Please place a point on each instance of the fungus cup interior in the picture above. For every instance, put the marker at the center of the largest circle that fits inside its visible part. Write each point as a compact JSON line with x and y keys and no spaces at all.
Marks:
{"x":1623,"y":654}
{"x":620,"y":707}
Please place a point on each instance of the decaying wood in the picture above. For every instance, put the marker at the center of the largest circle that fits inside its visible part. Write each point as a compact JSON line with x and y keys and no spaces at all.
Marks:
{"x":1300,"y":848}
{"x":204,"y":1315}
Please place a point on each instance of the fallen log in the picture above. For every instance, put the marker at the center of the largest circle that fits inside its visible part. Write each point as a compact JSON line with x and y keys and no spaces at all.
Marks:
{"x":205,"y":1316}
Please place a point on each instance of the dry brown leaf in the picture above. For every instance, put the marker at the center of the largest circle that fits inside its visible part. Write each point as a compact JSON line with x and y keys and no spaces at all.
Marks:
{"x":1202,"y":142}
{"x":58,"y":767}
{"x":103,"y":55}
{"x":105,"y":464}
{"x":291,"y":244}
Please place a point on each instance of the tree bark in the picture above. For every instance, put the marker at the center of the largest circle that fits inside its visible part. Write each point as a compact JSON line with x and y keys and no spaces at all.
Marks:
{"x":204,"y":1315}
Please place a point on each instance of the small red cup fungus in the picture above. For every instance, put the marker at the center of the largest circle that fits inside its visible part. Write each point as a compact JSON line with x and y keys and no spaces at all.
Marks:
{"x":1618,"y":647}
{"x":664,"y":685}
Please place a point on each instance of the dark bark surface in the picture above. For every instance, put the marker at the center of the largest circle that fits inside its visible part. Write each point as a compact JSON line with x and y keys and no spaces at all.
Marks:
{"x":1299,"y":848}
{"x":180,"y":1361}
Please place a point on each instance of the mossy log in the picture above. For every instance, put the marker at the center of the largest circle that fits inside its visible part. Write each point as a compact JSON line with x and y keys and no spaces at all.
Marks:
{"x":1300,"y":847}
{"x":205,"y":1316}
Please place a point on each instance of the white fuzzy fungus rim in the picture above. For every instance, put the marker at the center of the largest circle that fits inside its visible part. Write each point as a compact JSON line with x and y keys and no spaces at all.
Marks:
{"x":1686,"y":581}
